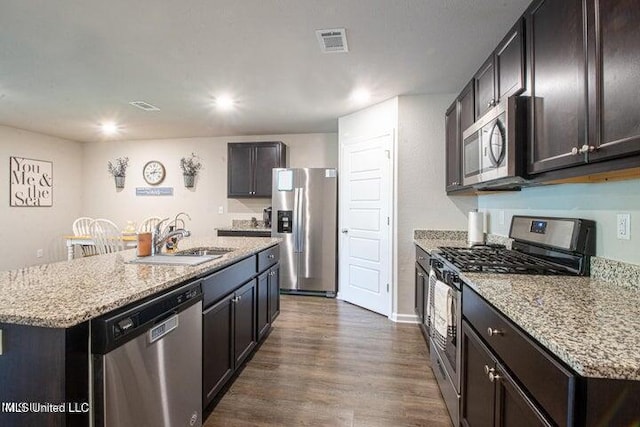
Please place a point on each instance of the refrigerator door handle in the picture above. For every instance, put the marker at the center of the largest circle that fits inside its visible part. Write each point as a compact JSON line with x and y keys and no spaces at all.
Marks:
{"x":295,"y":225}
{"x":301,"y":225}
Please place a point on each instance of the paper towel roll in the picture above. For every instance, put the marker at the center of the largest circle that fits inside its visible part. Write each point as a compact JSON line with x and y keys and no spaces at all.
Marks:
{"x":475,"y":231}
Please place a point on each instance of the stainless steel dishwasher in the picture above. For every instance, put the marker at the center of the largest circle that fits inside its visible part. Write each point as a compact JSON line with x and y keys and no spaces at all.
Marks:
{"x":147,"y":362}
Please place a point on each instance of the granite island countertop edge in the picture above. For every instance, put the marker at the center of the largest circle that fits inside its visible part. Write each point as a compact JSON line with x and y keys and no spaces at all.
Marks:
{"x":67,"y":293}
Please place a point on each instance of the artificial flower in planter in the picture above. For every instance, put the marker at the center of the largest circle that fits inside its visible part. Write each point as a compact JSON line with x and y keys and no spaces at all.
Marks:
{"x":190,"y":167}
{"x":118,"y":168}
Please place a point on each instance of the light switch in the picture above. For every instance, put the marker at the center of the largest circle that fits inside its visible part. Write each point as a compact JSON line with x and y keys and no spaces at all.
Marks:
{"x":220,"y":209}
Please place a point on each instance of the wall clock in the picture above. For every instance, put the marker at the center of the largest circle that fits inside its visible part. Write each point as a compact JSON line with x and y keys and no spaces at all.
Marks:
{"x":153,"y":172}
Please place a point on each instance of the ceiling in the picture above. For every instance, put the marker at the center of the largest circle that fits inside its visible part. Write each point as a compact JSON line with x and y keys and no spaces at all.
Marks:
{"x":67,"y":66}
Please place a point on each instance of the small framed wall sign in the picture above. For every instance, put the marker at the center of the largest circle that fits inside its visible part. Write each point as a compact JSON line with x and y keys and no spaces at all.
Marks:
{"x":31,"y":182}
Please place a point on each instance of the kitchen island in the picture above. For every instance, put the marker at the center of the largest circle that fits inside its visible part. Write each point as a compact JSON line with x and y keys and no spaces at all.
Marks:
{"x":46,"y":313}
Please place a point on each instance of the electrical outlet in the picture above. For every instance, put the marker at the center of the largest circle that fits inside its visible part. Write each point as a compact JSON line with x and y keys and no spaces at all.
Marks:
{"x":501,"y":218}
{"x":623,"y":226}
{"x":39,"y":253}
{"x":220,"y":209}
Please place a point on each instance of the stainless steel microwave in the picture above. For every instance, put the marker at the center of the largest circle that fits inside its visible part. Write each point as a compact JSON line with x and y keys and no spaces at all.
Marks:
{"x":494,"y":147}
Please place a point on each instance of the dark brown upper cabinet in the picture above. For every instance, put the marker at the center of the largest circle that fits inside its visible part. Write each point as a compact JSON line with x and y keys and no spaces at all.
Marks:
{"x":249,"y":168}
{"x":459,"y":116}
{"x":556,"y":77}
{"x":614,"y":75}
{"x":502,"y":74}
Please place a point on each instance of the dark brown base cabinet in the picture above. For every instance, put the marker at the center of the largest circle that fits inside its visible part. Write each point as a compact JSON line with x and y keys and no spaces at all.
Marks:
{"x":238,"y":303}
{"x":422,"y":269}
{"x":490,"y":397}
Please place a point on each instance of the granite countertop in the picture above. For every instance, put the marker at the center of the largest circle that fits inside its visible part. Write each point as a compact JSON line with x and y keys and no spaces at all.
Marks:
{"x":589,"y":323}
{"x":592,"y":325}
{"x":64,"y":294}
{"x":244,"y":228}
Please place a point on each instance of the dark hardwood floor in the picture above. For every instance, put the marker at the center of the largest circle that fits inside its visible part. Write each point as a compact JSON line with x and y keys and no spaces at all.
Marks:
{"x":329,"y":363}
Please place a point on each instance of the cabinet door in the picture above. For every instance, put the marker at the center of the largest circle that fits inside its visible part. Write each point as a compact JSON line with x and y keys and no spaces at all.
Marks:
{"x":452,"y":147}
{"x":478,"y":399}
{"x":419,"y":293}
{"x":466,"y":108}
{"x":614,"y":75}
{"x":556,"y":75}
{"x":240,"y":170}
{"x":509,"y":60}
{"x":217,"y":347}
{"x":274,"y":292}
{"x":485,"y":88}
{"x":513,"y":406}
{"x":245,"y":321}
{"x":263,"y":315}
{"x":267,"y":157}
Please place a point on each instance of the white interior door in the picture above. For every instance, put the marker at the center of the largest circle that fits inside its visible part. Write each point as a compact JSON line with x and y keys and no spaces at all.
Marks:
{"x":365,"y":237}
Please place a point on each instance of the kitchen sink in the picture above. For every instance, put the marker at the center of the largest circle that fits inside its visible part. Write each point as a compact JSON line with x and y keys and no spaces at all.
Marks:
{"x":164,"y":259}
{"x":202,"y":252}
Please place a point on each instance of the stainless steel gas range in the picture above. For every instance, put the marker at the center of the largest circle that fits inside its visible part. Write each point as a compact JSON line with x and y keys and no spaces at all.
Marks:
{"x":541,"y":245}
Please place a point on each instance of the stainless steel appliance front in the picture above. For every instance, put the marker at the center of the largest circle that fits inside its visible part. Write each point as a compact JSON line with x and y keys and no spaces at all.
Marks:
{"x":493,"y":147}
{"x":156,"y":378}
{"x":305,"y":216}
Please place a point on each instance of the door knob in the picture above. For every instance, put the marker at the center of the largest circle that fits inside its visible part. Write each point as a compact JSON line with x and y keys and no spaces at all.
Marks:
{"x":345,"y":230}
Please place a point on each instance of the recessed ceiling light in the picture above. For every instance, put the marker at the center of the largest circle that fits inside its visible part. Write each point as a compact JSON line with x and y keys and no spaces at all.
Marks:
{"x":360,"y":96}
{"x":224,"y":102}
{"x":109,"y":128}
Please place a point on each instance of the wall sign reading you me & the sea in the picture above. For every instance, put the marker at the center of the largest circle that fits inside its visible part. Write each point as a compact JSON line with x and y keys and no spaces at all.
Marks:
{"x":31,"y":182}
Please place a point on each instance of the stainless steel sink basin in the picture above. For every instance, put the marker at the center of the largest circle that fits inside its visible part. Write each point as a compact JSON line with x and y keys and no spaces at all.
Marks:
{"x":174,"y":260}
{"x":202,"y":252}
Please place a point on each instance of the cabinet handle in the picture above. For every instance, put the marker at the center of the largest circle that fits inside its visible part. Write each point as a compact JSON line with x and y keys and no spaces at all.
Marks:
{"x":421,"y":258}
{"x":420,"y":274}
{"x":272,"y":256}
{"x":587,"y":149}
{"x":488,"y":370}
{"x":494,"y":377}
{"x":493,"y":332}
{"x":272,"y":273}
{"x":235,"y":299}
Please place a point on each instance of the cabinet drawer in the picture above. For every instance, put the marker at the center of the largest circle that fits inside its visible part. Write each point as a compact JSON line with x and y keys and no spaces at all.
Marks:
{"x":222,"y":282}
{"x":422,"y":258}
{"x":550,"y":384}
{"x":268,"y":257}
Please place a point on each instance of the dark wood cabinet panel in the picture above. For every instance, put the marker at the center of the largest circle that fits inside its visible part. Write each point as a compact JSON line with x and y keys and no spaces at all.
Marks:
{"x":484,"y":82}
{"x":490,"y":396}
{"x":509,"y":63}
{"x":557,"y":80}
{"x":249,"y":167}
{"x":420,"y":293}
{"x":262,"y":310}
{"x":614,"y":55}
{"x":244,"y":322}
{"x":459,"y":116}
{"x":478,"y":394}
{"x":217,"y":347}
{"x":452,"y":148}
{"x":274,"y":293}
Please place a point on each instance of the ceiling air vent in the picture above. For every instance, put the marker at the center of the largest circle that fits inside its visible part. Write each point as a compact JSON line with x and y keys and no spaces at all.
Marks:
{"x":144,"y":106}
{"x":333,"y":40}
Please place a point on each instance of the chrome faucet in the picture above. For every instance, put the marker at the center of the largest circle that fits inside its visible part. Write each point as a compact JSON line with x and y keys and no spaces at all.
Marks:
{"x":159,"y":238}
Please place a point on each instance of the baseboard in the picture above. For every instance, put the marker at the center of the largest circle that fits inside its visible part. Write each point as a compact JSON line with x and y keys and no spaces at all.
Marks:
{"x":404,"y":318}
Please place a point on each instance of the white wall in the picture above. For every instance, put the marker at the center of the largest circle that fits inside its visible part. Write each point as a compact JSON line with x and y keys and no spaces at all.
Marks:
{"x":599,"y":202}
{"x":421,"y":197}
{"x":202,"y":202}
{"x":24,"y":230}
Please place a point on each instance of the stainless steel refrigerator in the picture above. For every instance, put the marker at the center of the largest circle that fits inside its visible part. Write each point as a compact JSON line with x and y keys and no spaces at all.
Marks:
{"x":305,"y":210}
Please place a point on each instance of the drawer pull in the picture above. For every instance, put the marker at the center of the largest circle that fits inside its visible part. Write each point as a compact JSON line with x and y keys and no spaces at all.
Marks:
{"x":421,"y":258}
{"x":488,"y":370}
{"x":271,"y":256}
{"x":493,"y":332}
{"x":420,"y":274}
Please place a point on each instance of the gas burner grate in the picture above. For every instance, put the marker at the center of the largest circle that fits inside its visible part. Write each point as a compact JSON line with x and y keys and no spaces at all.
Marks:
{"x":499,"y":260}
